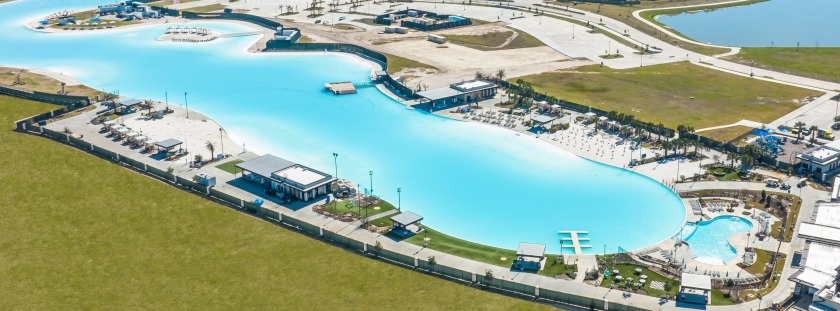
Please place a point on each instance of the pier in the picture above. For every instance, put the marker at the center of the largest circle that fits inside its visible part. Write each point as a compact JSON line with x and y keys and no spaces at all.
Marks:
{"x":341,"y":88}
{"x":574,"y":237}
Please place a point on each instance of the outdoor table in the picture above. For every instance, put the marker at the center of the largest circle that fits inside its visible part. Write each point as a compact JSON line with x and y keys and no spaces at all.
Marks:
{"x":643,"y":276}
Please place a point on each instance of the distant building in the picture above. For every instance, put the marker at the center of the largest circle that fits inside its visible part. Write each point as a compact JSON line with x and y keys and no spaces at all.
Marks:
{"x":819,"y":266}
{"x":437,"y":39}
{"x":458,"y":94}
{"x":821,"y":161}
{"x":286,"y":179}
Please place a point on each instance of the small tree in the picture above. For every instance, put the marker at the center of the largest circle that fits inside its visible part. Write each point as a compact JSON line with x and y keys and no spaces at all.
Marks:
{"x":488,"y":275}
{"x":378,"y":246}
{"x":170,"y":170}
{"x":501,"y":75}
{"x":763,"y":195}
{"x":432,"y":260}
{"x":210,"y":147}
{"x":198,"y":158}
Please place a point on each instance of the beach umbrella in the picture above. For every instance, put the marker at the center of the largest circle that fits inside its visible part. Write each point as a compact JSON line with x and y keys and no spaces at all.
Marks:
{"x":643,"y":276}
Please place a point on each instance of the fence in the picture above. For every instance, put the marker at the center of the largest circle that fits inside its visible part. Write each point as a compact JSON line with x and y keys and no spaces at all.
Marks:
{"x":505,"y":286}
{"x":58,"y":99}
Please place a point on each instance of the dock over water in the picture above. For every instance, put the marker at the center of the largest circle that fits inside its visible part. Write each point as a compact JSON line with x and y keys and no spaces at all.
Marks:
{"x":341,"y":88}
{"x":575,"y":239}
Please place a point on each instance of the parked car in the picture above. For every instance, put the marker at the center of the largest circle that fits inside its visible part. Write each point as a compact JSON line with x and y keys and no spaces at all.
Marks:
{"x":802,"y":183}
{"x":341,"y":18}
{"x":772,"y":183}
{"x":317,"y":21}
{"x":784,"y":186}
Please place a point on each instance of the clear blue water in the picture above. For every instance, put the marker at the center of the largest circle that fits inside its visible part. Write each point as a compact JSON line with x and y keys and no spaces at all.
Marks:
{"x":772,"y":23}
{"x":710,"y":238}
{"x":473,"y":181}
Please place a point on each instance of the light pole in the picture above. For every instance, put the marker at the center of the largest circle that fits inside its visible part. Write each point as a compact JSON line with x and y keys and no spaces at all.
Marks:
{"x":335,"y":160}
{"x":187,"y":105}
{"x":222,"y":142}
{"x":166,"y":95}
{"x":371,"y":182}
{"x":399,"y":198}
{"x":358,"y":198}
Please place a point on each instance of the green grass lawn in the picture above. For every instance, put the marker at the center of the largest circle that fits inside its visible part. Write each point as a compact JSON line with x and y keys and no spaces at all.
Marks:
{"x":780,"y":264}
{"x":728,"y":174}
{"x":726,"y":134}
{"x":718,"y":298}
{"x":344,"y":206}
{"x":206,"y":8}
{"x":818,"y":63}
{"x":396,"y":63}
{"x":495,"y":40}
{"x":36,"y":82}
{"x":630,"y":271}
{"x":78,"y":232}
{"x":676,"y":93}
{"x":230,"y":167}
{"x":479,"y":252}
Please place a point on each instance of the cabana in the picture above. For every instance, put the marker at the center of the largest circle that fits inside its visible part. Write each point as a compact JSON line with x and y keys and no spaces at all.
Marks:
{"x":530,"y":256}
{"x":402,"y":222}
{"x":542,"y":120}
{"x":166,"y":146}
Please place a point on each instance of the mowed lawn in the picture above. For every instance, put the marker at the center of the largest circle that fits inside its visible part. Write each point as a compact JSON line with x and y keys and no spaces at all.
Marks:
{"x":674,"y":94}
{"x":818,"y":63}
{"x":80,"y":233}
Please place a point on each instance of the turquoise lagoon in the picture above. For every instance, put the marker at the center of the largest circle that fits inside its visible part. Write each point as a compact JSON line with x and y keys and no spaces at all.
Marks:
{"x":477,"y":182}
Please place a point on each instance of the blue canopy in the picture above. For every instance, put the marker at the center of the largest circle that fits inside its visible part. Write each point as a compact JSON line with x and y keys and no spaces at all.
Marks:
{"x":258,"y":202}
{"x":760,"y":132}
{"x":43,"y":22}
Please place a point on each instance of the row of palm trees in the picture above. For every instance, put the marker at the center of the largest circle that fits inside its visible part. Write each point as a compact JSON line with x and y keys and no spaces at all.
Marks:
{"x":814,"y":129}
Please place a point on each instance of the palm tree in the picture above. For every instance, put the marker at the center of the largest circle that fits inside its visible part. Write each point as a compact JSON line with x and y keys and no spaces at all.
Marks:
{"x":814,"y":130}
{"x":211,"y":147}
{"x":799,"y":126}
{"x":731,"y":156}
{"x":501,"y":74}
{"x":665,"y":146}
{"x":149,"y":106}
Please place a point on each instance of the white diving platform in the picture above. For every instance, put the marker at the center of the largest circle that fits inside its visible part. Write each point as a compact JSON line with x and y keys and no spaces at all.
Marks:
{"x":575,"y":239}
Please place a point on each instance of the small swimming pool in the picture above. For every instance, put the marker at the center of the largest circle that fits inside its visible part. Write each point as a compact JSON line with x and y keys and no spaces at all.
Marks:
{"x":709,"y":241}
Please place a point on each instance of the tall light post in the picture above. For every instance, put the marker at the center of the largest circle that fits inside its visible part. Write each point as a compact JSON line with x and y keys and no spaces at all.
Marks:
{"x":222,"y":141}
{"x":166,"y":96}
{"x":335,"y":160}
{"x":187,"y":105}
{"x":359,"y":198}
{"x":399,"y":199}
{"x":371,"y":182}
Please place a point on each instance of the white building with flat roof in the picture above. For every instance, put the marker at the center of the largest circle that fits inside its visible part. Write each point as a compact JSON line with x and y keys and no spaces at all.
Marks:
{"x":821,"y":161}
{"x":286,"y":178}
{"x":695,"y":288}
{"x":819,"y":270}
{"x":459,"y":94}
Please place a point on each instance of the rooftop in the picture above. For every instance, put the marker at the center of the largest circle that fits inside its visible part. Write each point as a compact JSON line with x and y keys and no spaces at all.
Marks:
{"x":265,"y":165}
{"x":169,"y":143}
{"x":531,"y":250}
{"x":828,"y":214}
{"x":696,"y":281}
{"x":543,"y":119}
{"x":440,"y":93}
{"x":406,"y":218}
{"x":473,"y":85}
{"x":301,"y":175}
{"x":825,"y":234}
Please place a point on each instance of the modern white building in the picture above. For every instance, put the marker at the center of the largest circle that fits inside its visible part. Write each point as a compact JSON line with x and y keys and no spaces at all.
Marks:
{"x":819,"y":268}
{"x":459,"y":93}
{"x":284,"y":178}
{"x":821,"y":161}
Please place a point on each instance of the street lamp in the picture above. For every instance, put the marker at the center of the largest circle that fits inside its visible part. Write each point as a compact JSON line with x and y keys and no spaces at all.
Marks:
{"x":399,"y":198}
{"x":335,"y":160}
{"x":186,"y":105}
{"x":371,"y":182}
{"x":222,"y":142}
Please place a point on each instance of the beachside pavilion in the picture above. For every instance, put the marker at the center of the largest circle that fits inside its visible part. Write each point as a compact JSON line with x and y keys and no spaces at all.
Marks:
{"x":285,"y":178}
{"x":404,"y":224}
{"x":695,"y":289}
{"x":545,"y":121}
{"x":168,"y":145}
{"x":457,"y":94}
{"x":530,"y":256}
